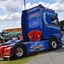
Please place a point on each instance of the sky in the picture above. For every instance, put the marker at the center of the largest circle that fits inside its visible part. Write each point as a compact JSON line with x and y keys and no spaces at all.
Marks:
{"x":11,"y":11}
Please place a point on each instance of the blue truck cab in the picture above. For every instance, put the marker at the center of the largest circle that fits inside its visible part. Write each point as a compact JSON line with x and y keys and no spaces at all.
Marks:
{"x":41,"y":31}
{"x":40,"y":26}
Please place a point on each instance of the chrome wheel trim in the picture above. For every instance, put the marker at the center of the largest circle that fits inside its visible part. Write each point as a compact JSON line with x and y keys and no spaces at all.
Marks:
{"x":19,"y":52}
{"x":54,"y":44}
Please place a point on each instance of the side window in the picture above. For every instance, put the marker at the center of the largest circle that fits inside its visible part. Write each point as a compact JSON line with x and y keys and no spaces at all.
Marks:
{"x":55,"y":22}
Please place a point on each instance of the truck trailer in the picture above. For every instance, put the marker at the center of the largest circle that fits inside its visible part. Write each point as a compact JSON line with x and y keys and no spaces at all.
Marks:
{"x":41,"y":31}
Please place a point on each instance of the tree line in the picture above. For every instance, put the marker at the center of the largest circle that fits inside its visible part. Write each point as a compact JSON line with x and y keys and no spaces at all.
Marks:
{"x":61,"y":22}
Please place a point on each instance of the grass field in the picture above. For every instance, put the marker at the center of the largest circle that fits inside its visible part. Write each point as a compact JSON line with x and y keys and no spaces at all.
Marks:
{"x":23,"y":60}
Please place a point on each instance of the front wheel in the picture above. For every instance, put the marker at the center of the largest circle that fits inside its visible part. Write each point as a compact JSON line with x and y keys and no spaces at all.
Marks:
{"x":53,"y":44}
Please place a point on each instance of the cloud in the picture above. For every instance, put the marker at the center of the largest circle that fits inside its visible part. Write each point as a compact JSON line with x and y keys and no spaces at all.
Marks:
{"x":11,"y":9}
{"x":3,"y":0}
{"x":15,"y":5}
{"x":59,"y":1}
{"x":11,"y":17}
{"x":57,"y":6}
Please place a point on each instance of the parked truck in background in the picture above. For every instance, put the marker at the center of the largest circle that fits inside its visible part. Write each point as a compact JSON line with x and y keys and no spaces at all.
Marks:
{"x":41,"y":31}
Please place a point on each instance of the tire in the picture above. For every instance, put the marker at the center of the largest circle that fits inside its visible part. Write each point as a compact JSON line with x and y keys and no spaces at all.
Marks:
{"x":18,"y":51}
{"x":53,"y":44}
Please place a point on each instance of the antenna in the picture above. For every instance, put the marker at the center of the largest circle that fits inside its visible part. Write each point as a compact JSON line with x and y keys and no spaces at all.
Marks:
{"x":24,"y":4}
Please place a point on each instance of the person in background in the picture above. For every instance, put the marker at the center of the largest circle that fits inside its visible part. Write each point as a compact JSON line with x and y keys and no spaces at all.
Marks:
{"x":15,"y":38}
{"x":20,"y":37}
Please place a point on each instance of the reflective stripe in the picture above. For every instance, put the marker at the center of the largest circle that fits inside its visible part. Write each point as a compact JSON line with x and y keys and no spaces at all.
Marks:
{"x":44,"y":17}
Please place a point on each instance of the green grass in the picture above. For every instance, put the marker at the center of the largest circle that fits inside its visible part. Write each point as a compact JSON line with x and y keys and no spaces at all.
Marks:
{"x":23,"y":60}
